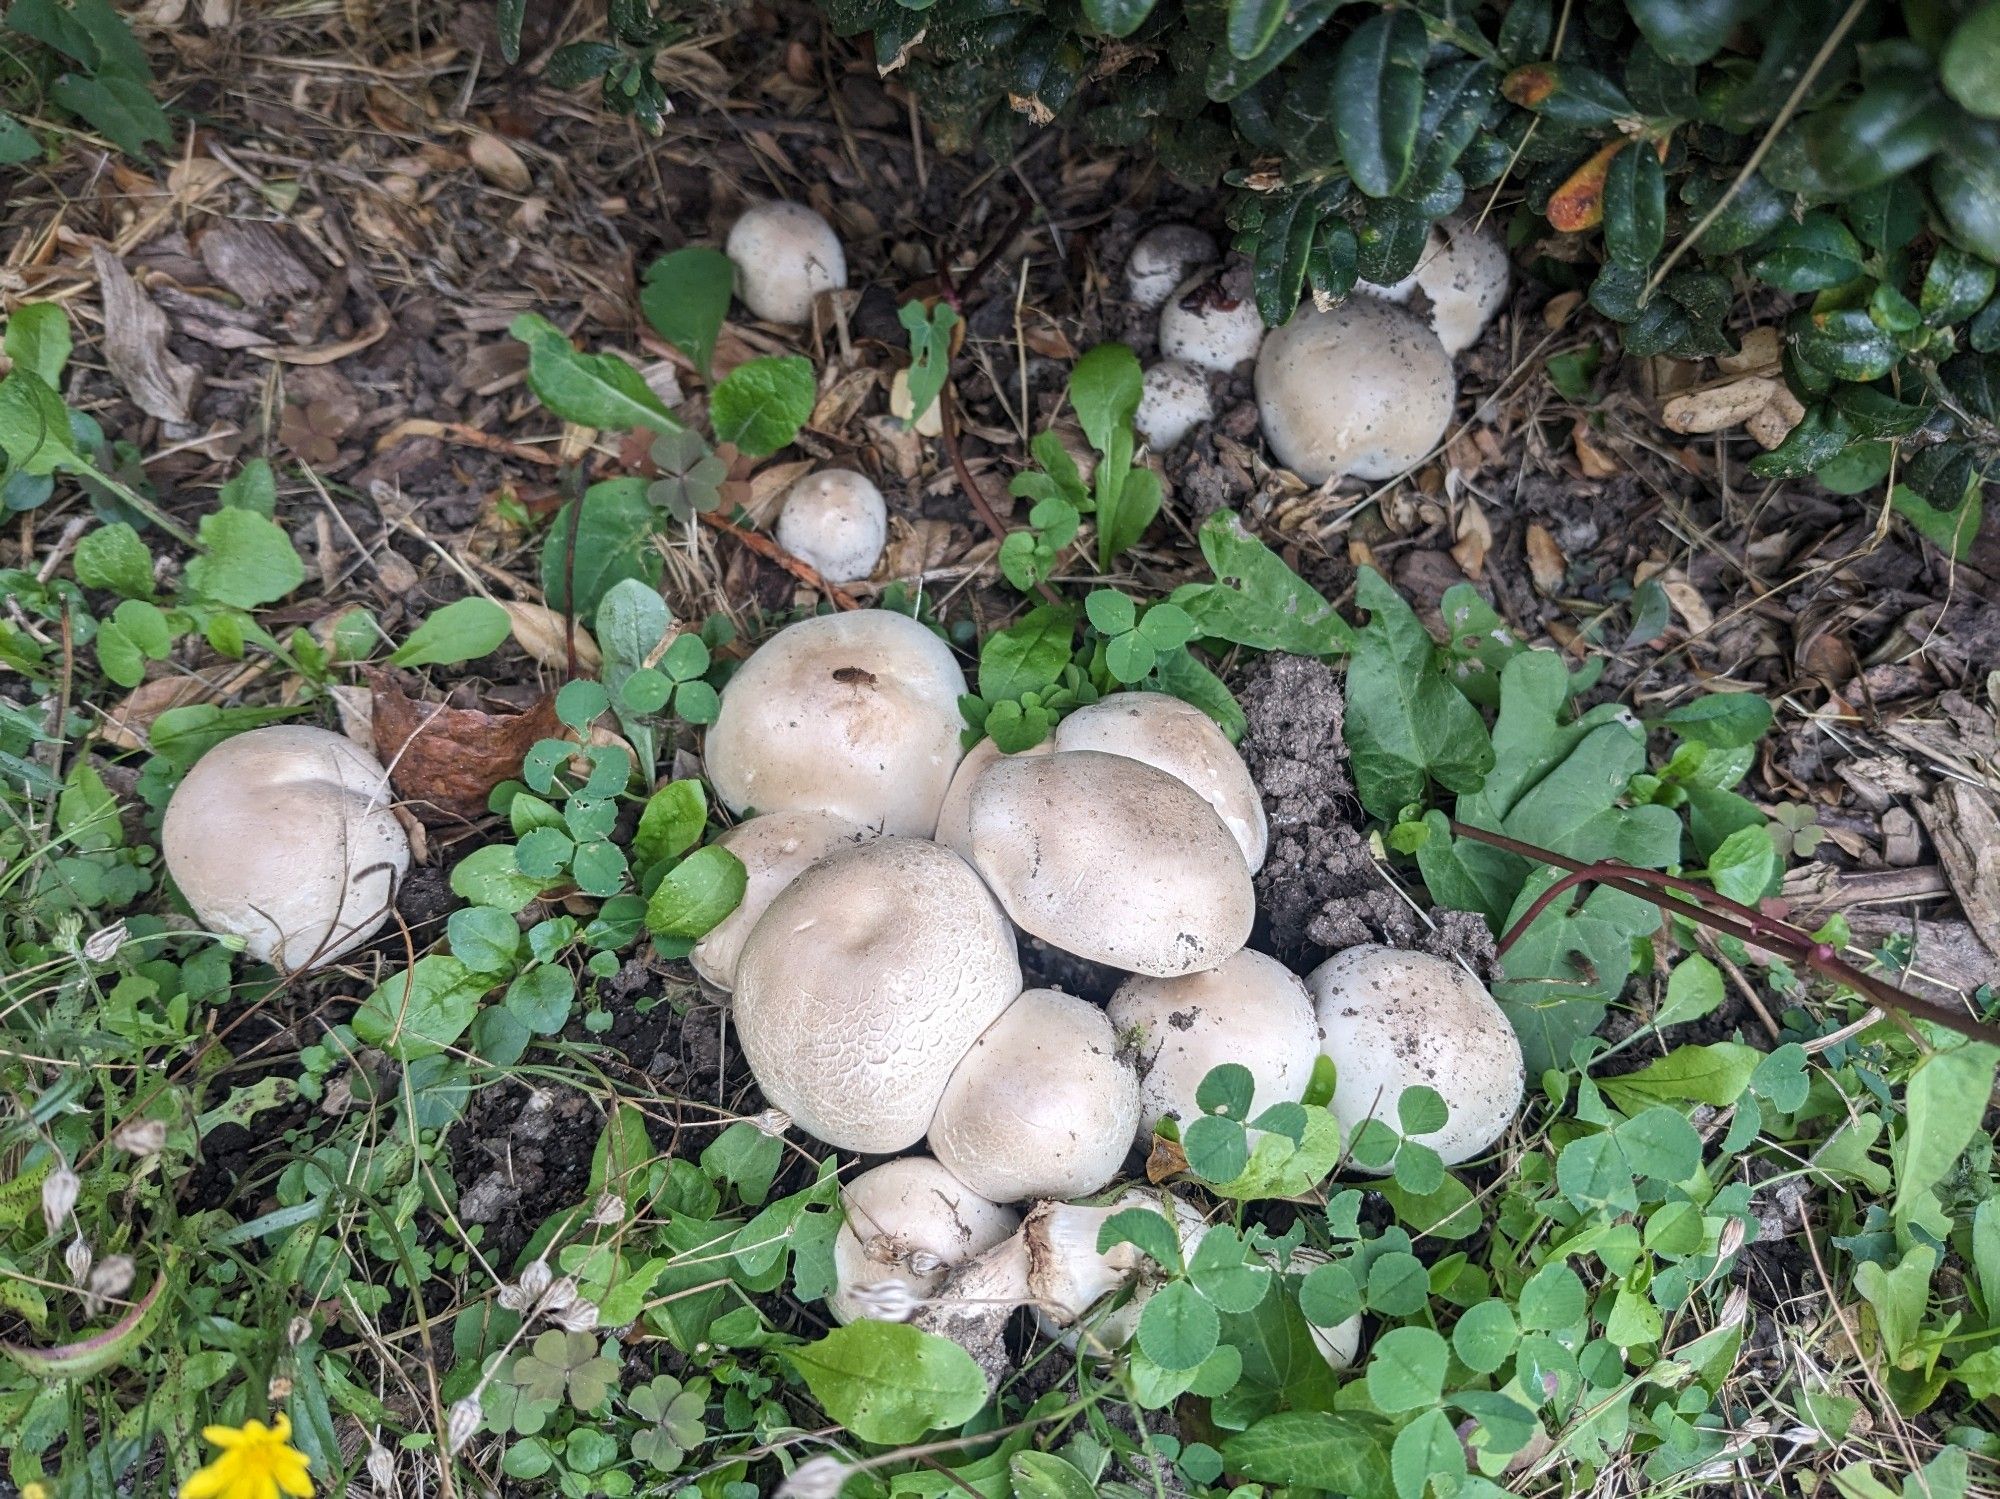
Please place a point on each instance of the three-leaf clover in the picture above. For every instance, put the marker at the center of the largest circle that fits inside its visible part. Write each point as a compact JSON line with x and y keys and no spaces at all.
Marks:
{"x":1135,"y":641}
{"x":566,"y":1362}
{"x":675,"y":679}
{"x":691,"y":476}
{"x":676,"y":1416}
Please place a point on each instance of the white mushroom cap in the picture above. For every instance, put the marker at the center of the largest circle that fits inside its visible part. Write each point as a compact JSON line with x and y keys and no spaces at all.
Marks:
{"x":1173,"y":401}
{"x":1173,"y":735}
{"x":1206,"y":325}
{"x":835,"y":519}
{"x":1363,"y":388}
{"x":785,"y":256}
{"x":954,"y":824}
{"x":853,"y":713}
{"x":865,"y":982}
{"x":1113,"y":860}
{"x":1253,"y":1010}
{"x":1396,"y":1020}
{"x":1161,"y":259}
{"x":1042,"y":1106}
{"x":910,"y":1220}
{"x":283,"y":836}
{"x":1464,"y":272}
{"x":775,"y":849}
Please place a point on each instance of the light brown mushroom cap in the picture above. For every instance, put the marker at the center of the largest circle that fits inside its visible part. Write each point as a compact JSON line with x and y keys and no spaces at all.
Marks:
{"x":865,"y":982}
{"x":910,"y":1220}
{"x":954,"y":824}
{"x":853,"y":713}
{"x":775,"y":849}
{"x":1161,"y":259}
{"x":1204,"y":324}
{"x":1253,"y":1010}
{"x":1464,"y":272}
{"x":1042,"y":1106}
{"x":835,"y":519}
{"x":1394,"y":1020}
{"x":283,"y":836}
{"x":1175,"y":736}
{"x":1113,"y":860}
{"x":1173,"y":401}
{"x":1363,"y":388}
{"x":785,"y":255}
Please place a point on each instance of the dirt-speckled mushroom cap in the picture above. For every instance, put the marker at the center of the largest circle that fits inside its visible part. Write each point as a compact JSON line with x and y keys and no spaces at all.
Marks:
{"x":865,"y":982}
{"x":836,"y":520}
{"x":775,"y":849}
{"x":1207,"y":324}
{"x":1042,"y":1106}
{"x":1363,"y":388}
{"x":954,"y":824}
{"x":1464,"y":272}
{"x":1113,"y":860}
{"x":910,"y":1220}
{"x":1161,"y":259}
{"x":1253,"y":1010}
{"x":283,"y":836}
{"x":1177,"y":737}
{"x":1394,"y":1020}
{"x":1173,"y":401}
{"x":785,"y":255}
{"x":853,"y":713}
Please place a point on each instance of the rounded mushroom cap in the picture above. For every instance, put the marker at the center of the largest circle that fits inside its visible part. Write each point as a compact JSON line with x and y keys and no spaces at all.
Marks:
{"x":1465,"y":273}
{"x":911,"y":1220}
{"x":775,"y":849}
{"x":1395,"y":1020}
{"x":1161,"y":259}
{"x":1207,"y":325}
{"x":1173,"y":401}
{"x":835,"y":519}
{"x":785,"y":255}
{"x":283,"y":836}
{"x":1363,"y":388}
{"x":1177,"y":737}
{"x":954,"y":824}
{"x":1042,"y":1106}
{"x":1253,"y":1010}
{"x":853,"y":713}
{"x":1111,"y":859}
{"x":865,"y":982}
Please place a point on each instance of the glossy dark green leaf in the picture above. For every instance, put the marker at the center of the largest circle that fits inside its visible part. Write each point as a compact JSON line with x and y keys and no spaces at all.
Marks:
{"x":1888,"y":216}
{"x":1812,"y":254}
{"x":1253,"y":25}
{"x":1117,"y":17}
{"x":1969,"y":67}
{"x":579,"y":62}
{"x":1892,"y":128}
{"x":1965,"y":182}
{"x":1956,"y":285}
{"x":1228,"y":76}
{"x":1844,"y":342}
{"x":1752,"y":210}
{"x":1389,"y":240}
{"x":1526,"y":30}
{"x":1379,"y":99}
{"x":1334,"y":264}
{"x":1635,"y":207}
{"x":1615,"y":292}
{"x":1283,"y":246}
{"x":1690,"y":31}
{"x":1816,"y":440}
{"x":1567,"y":94}
{"x":1659,"y":87}
{"x":1941,"y":472}
{"x":1876,"y":413}
{"x":508,"y":18}
{"x":1983,"y":333}
{"x":1974,"y":382}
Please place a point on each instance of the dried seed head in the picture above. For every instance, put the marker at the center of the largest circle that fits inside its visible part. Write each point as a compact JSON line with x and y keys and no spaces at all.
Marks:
{"x":526,"y":1293}
{"x":462,"y":1424}
{"x":578,"y":1316}
{"x":559,"y":1296}
{"x":888,"y":1300}
{"x":298,"y":1330}
{"x":1730,"y":1239}
{"x":279,"y":1390}
{"x":141,"y":1137}
{"x":102,"y":945}
{"x":77,"y":1259}
{"x":112,"y":1275}
{"x":59,"y":1192}
{"x":773,"y":1122}
{"x":381,"y":1467}
{"x":609,"y":1209}
{"x":816,"y":1478}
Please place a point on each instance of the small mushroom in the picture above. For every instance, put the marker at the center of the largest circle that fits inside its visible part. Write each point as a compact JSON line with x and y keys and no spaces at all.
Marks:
{"x":853,"y":713}
{"x":1173,"y":401}
{"x":1161,"y":259}
{"x":1363,"y":388}
{"x":863,"y":985}
{"x":1252,"y":1010}
{"x":835,"y":519}
{"x":1396,"y":1020}
{"x":1113,"y":860}
{"x":1042,"y":1106}
{"x":1464,"y":272}
{"x":1207,"y":322}
{"x":785,"y":255}
{"x":1177,"y":737}
{"x":954,"y":824}
{"x":910,"y":1220}
{"x":283,"y":836}
{"x":775,"y":849}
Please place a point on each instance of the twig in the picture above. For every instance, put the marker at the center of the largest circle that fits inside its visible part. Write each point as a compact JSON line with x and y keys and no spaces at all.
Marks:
{"x":770,"y":551}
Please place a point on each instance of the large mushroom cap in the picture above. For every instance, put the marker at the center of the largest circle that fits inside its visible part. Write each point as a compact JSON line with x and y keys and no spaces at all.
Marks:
{"x":1253,"y":1010}
{"x":775,"y":849}
{"x":836,"y":520}
{"x":1042,"y":1106}
{"x":1113,"y":860}
{"x":1177,"y":737}
{"x":910,"y":1220}
{"x":1363,"y":388}
{"x":863,"y":985}
{"x":283,"y":836}
{"x":1394,"y":1020}
{"x":854,"y":713}
{"x":954,"y":824}
{"x":1211,"y":324}
{"x":785,"y":255}
{"x":1161,"y":259}
{"x":1464,"y":272}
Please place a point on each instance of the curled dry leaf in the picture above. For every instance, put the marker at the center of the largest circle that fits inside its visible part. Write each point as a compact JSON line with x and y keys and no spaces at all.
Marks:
{"x":1546,"y":563}
{"x":1719,"y":407}
{"x":541,"y":632}
{"x":1761,"y":351}
{"x":356,"y":707}
{"x":135,"y":345}
{"x":499,"y":163}
{"x":1474,"y":539}
{"x":1774,"y":423}
{"x":445,"y":761}
{"x":1595,"y":462}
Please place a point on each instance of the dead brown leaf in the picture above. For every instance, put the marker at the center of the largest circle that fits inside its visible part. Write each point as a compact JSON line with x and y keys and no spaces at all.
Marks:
{"x":540,"y":632}
{"x":1774,"y":423}
{"x":128,"y":723}
{"x":1474,"y":535}
{"x":499,"y":163}
{"x":1546,"y":563}
{"x":1165,"y":1161}
{"x":1761,"y":350}
{"x":1595,"y":462}
{"x":135,"y":345}
{"x":446,"y":761}
{"x":1966,"y":830}
{"x":1719,"y":407}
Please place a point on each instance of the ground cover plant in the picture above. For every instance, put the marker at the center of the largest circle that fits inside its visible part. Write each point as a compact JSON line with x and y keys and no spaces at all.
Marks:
{"x":1624,"y":750}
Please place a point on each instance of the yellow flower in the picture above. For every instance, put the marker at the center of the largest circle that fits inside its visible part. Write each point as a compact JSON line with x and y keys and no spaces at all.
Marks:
{"x":34,"y":1491}
{"x":257,"y":1462}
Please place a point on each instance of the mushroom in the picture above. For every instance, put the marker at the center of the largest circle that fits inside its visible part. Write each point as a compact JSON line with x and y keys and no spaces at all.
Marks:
{"x":785,"y":255}
{"x":1113,"y":860}
{"x":954,"y":825}
{"x":1394,"y":1020}
{"x":910,"y":1220}
{"x":775,"y":849}
{"x":1161,"y":259}
{"x":284,"y":836}
{"x":1363,"y":388}
{"x":1173,"y":735}
{"x":853,"y":713}
{"x":1209,"y":323}
{"x":835,"y":519}
{"x":1252,"y":1010}
{"x":1042,"y":1106}
{"x":1464,"y":274}
{"x":865,"y":982}
{"x":1173,"y":401}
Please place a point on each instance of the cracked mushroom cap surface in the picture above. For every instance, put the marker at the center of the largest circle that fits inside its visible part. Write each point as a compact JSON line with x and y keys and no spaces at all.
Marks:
{"x":785,"y":255}
{"x":284,"y":836}
{"x":854,"y":714}
{"x":1111,"y":859}
{"x":910,"y":1220}
{"x":775,"y":849}
{"x":837,"y":521}
{"x":863,"y":985}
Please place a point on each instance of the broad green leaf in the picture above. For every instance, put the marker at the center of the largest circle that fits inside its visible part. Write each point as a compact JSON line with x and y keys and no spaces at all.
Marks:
{"x":614,"y":542}
{"x":1813,"y":254}
{"x":38,"y":340}
{"x":421,"y":1010}
{"x":890,"y":1382}
{"x":1635,"y":207}
{"x":1724,"y":720}
{"x":1950,"y":531}
{"x":1029,"y":655}
{"x":1428,"y":1448}
{"x":1117,"y":17}
{"x":1688,"y":32}
{"x":1969,"y":67}
{"x":1891,"y":128}
{"x":1229,"y":75}
{"x":696,"y":894}
{"x":1339,"y":1451}
{"x":114,"y":557}
{"x":17,"y":142}
{"x":245,"y":560}
{"x":1253,"y":24}
{"x":1378,"y":99}
{"x":1104,"y":387}
{"x":1042,"y":1475}
{"x":930,"y":331}
{"x":1256,"y":599}
{"x":1715,"y":1075}
{"x":463,"y":630}
{"x":34,"y":426}
{"x":1179,"y":1326}
{"x":592,"y":390}
{"x":1694,"y":989}
{"x":122,"y":110}
{"x":761,"y":404}
{"x":686,"y":299}
{"x":1946,"y":1099}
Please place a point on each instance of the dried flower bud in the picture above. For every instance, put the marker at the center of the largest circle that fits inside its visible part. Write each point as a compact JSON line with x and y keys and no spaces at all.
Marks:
{"x":382,"y":1468}
{"x":77,"y":1260}
{"x":888,"y":1300}
{"x":102,"y":945}
{"x":298,"y":1330}
{"x":59,"y":1192}
{"x":279,"y":1390}
{"x":112,"y":1276}
{"x":816,"y":1478}
{"x":609,"y":1209}
{"x":1730,"y":1239}
{"x":462,"y":1424}
{"x":578,"y":1316}
{"x":560,"y":1294}
{"x":141,"y":1137}
{"x":526,"y":1292}
{"x":923,"y":1262}
{"x":772,"y":1122}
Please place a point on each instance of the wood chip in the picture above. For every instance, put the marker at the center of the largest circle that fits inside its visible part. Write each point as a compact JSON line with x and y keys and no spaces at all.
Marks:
{"x":135,"y":345}
{"x":499,"y":163}
{"x":1963,"y":824}
{"x":1546,"y":563}
{"x":445,"y":761}
{"x":1719,"y":407}
{"x":253,"y":260}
